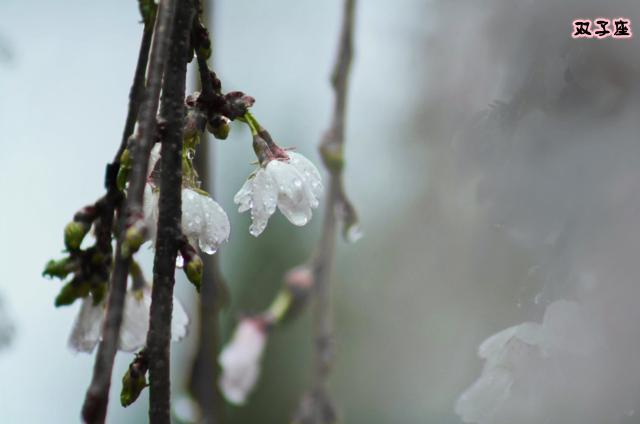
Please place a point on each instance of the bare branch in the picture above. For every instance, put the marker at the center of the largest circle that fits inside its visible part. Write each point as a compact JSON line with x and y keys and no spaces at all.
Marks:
{"x":170,"y":205}
{"x":205,"y":371}
{"x":95,"y":405}
{"x":317,"y":407}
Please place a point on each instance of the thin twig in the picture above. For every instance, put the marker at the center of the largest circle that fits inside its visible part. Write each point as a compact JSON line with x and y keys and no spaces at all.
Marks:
{"x":94,"y":409}
{"x":318,"y":407}
{"x":204,"y":370}
{"x":137,"y":90}
{"x":170,"y":213}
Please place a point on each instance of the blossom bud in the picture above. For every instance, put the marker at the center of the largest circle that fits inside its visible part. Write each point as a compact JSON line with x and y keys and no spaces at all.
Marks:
{"x":134,"y":380}
{"x":122,"y":177}
{"x":239,"y":103}
{"x":133,"y":239}
{"x":123,"y":171}
{"x":219,"y":127}
{"x":70,"y":292}
{"x":298,"y":284}
{"x":60,"y":268}
{"x":74,"y":233}
{"x":125,"y":158}
{"x":193,"y":268}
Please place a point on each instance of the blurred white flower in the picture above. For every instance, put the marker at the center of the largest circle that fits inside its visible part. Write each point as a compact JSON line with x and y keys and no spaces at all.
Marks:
{"x":294,"y":186}
{"x":87,"y":329}
{"x":240,"y":360}
{"x":520,"y":350}
{"x":204,"y":222}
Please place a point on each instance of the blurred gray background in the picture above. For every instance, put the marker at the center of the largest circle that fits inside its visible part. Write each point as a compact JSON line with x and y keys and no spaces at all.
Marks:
{"x":493,"y":161}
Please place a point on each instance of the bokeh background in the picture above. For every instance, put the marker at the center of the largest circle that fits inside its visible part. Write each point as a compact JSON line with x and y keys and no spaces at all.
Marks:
{"x":493,"y":161}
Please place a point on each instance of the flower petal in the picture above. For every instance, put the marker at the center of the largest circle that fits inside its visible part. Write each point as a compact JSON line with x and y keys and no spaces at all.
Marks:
{"x":216,"y":226}
{"x":192,"y":214}
{"x":295,"y":198}
{"x":87,"y":326}
{"x":243,"y":197}
{"x":154,"y":157}
{"x":309,"y":171}
{"x":179,"y":321}
{"x":264,"y":201}
{"x":150,"y":210}
{"x":135,"y":320}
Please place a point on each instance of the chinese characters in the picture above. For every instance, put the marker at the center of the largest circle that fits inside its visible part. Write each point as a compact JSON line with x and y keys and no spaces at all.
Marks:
{"x":600,"y":28}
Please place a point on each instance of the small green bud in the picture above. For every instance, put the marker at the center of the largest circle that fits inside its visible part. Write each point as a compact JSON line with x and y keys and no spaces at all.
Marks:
{"x":122,"y":177}
{"x":134,"y":238}
{"x":332,"y":157}
{"x":219,"y":127}
{"x":125,"y":158}
{"x":70,"y":292}
{"x":59,"y":269}
{"x":194,"y":268}
{"x":133,"y":382}
{"x":74,"y":233}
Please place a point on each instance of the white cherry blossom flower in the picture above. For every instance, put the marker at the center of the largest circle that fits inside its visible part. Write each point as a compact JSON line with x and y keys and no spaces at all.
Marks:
{"x":204,"y":222}
{"x":87,"y":329}
{"x":293,"y":185}
{"x":240,"y":360}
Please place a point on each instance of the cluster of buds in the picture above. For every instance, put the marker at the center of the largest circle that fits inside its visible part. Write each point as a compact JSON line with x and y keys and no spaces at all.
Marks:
{"x":89,"y":267}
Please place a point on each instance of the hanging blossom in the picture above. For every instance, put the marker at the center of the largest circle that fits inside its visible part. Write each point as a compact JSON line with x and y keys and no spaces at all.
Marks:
{"x":290,"y":181}
{"x":204,"y":223}
{"x":86,"y":332}
{"x":240,"y":360}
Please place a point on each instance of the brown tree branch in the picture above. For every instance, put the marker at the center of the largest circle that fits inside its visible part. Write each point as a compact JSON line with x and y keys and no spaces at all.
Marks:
{"x":317,"y":407}
{"x":94,"y":409}
{"x":169,"y":232}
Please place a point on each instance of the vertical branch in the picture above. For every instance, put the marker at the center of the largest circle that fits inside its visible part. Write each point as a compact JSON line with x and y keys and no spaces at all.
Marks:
{"x":319,"y":407}
{"x":169,"y":230}
{"x":94,"y":409}
{"x":205,"y":371}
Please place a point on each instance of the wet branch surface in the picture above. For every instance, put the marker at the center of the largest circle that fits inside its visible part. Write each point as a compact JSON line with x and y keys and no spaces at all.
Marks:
{"x":317,"y":407}
{"x":169,"y":234}
{"x":96,"y":401}
{"x":204,"y":370}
